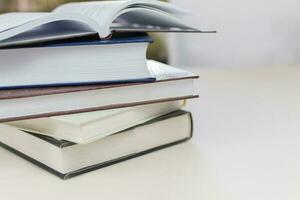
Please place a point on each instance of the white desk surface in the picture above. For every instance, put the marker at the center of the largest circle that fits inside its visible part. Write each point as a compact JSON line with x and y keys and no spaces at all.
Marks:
{"x":246,"y":146}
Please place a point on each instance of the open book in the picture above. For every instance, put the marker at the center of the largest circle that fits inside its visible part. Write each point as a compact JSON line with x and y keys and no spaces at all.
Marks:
{"x":91,"y":18}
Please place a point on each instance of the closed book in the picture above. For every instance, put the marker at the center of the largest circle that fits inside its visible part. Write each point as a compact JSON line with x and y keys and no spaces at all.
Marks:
{"x":66,"y":159}
{"x":87,"y":127}
{"x":171,"y":84}
{"x":118,"y":60}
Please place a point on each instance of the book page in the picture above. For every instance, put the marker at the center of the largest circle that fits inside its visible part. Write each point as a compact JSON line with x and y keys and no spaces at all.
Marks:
{"x":55,"y":31}
{"x":162,"y":71}
{"x":146,"y":12}
{"x":22,"y":28}
{"x":96,"y":9}
{"x":148,"y":19}
{"x":101,"y":17}
{"x":100,"y":12}
{"x":12,"y":20}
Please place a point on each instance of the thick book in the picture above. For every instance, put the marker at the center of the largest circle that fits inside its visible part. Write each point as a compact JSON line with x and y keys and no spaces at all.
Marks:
{"x":171,"y":84}
{"x":90,"y":18}
{"x":117,"y":60}
{"x":87,"y":127}
{"x":66,"y":159}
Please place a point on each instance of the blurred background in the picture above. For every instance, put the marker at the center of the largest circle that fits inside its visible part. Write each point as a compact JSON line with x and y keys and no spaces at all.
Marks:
{"x":250,"y":33}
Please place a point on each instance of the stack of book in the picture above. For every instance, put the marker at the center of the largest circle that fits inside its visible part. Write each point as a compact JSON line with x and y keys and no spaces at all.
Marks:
{"x":77,"y":92}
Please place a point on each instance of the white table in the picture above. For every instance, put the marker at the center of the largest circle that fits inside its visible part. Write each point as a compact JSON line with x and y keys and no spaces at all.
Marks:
{"x":246,"y":146}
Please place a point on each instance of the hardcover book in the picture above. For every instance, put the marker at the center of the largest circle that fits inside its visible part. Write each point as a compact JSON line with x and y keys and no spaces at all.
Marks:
{"x":118,"y":60}
{"x":87,"y":127}
{"x":66,"y":159}
{"x":171,"y":84}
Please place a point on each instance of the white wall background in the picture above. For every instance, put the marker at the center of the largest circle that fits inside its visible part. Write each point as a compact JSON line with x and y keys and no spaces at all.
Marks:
{"x":250,"y":33}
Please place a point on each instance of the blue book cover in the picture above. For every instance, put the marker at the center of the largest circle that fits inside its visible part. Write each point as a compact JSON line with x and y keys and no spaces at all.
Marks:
{"x":87,"y":41}
{"x":116,"y":38}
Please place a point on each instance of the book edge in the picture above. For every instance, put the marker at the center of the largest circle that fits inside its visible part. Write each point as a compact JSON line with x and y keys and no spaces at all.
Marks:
{"x":121,"y":159}
{"x":98,"y":108}
{"x":90,"y":168}
{"x":64,"y":143}
{"x":75,"y":84}
{"x":87,"y":87}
